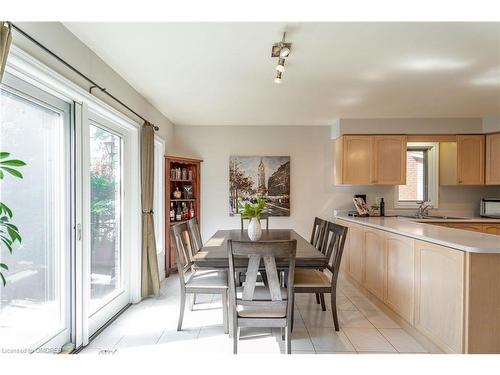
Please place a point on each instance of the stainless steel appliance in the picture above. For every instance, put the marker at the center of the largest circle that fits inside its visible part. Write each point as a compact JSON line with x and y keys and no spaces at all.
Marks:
{"x":490,"y":207}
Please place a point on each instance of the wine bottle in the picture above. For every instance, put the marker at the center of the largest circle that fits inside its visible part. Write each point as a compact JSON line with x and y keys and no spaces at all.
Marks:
{"x":191,"y":211}
{"x":178,"y":215}
{"x":172,"y":212}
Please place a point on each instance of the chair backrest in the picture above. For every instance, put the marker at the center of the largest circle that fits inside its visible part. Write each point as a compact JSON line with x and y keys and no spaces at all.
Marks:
{"x":194,"y":236}
{"x":317,"y":235}
{"x":268,"y":251}
{"x":180,"y":240}
{"x":334,"y":241}
{"x":262,"y":217}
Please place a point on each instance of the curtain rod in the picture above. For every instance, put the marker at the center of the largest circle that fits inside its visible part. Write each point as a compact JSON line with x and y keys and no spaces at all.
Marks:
{"x":71,"y":67}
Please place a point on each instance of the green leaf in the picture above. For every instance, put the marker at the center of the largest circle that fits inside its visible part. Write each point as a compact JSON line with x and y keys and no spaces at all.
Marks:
{"x":12,"y":171}
{"x":3,"y":155}
{"x":7,"y":210}
{"x":1,"y":175}
{"x":4,"y":282}
{"x":13,"y":163}
{"x":7,"y":243}
{"x":4,"y":266}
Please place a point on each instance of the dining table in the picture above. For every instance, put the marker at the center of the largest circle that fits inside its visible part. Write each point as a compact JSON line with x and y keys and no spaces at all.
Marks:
{"x":214,"y":253}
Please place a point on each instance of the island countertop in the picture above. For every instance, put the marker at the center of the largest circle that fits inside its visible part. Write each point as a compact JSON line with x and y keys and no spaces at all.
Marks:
{"x":459,"y":239}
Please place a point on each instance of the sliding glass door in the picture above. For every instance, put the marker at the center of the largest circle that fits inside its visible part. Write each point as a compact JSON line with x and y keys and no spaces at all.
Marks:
{"x":105,"y":215}
{"x":35,"y":304}
{"x":70,"y":185}
{"x":108,"y":255}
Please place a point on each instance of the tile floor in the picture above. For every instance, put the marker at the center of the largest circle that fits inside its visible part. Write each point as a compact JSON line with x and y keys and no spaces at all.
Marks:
{"x":150,"y":326}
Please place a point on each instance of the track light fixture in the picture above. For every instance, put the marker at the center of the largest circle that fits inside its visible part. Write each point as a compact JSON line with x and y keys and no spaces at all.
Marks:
{"x":278,"y":78}
{"x":281,"y":50}
{"x":281,"y":66}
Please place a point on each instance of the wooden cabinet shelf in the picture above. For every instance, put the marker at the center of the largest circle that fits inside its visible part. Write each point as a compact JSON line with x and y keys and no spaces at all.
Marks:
{"x":193,"y":165}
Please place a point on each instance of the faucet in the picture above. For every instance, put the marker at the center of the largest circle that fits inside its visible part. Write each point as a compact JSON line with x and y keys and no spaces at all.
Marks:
{"x":423,"y":209}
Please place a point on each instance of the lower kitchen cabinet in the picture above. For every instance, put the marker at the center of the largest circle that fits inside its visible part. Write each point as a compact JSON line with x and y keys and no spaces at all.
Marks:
{"x":374,"y":277}
{"x":492,"y":229}
{"x":448,"y":295}
{"x":471,"y":227}
{"x":399,"y":294}
{"x":439,"y":294}
{"x":356,"y":249}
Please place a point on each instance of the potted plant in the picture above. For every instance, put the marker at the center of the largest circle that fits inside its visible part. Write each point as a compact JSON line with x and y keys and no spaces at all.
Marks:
{"x":252,"y":212}
{"x":9,"y":233}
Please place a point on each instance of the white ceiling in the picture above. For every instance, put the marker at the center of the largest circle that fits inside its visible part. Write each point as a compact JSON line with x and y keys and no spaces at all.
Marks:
{"x":222,"y":73}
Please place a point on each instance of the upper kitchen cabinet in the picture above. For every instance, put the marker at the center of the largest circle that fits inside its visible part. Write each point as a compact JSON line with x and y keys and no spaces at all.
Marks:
{"x":370,"y":160}
{"x":389,"y":159}
{"x":353,"y":158}
{"x":470,"y":159}
{"x":493,"y":159}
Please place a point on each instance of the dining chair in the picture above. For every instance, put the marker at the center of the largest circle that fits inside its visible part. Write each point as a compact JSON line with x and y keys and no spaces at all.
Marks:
{"x":316,"y":281}
{"x":194,"y":235}
{"x":195,"y":245}
{"x":262,"y":217}
{"x":317,"y":239}
{"x":196,"y":281}
{"x":318,"y":232}
{"x":262,"y":306}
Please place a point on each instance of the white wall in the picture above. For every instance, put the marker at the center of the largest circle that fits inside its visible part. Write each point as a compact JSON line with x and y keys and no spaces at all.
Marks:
{"x":312,"y":190}
{"x":408,"y":126}
{"x":61,"y":41}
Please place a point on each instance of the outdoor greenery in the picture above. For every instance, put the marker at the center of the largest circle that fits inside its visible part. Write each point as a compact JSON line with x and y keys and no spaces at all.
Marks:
{"x":249,"y":211}
{"x":9,"y":233}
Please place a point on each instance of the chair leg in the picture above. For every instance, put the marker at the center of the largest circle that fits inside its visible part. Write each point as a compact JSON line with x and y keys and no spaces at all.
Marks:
{"x":283,"y":333}
{"x":322,"y":300}
{"x":288,"y":339}
{"x":235,"y":338}
{"x":291,"y":322}
{"x":181,"y":310}
{"x":317,"y":298}
{"x":191,"y":301}
{"x":333,"y":297}
{"x":224,"y":312}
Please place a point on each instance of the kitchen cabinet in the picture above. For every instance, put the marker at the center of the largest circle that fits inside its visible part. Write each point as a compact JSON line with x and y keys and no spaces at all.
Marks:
{"x":353,"y":158}
{"x":466,"y":226}
{"x":370,"y":160}
{"x":491,"y":229}
{"x":470,"y":159}
{"x":374,"y":276}
{"x":439,"y":301}
{"x":389,"y":160}
{"x":400,"y":272}
{"x":493,"y":159}
{"x":450,"y":296}
{"x":356,"y":246}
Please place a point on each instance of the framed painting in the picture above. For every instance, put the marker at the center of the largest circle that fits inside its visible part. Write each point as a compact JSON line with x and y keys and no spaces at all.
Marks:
{"x":268,"y":177}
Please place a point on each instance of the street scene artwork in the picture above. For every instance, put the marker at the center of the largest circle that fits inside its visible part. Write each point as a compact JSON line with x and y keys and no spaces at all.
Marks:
{"x":251,"y":177}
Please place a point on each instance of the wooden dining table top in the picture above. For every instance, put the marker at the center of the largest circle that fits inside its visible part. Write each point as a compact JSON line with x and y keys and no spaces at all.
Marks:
{"x":214,"y":253}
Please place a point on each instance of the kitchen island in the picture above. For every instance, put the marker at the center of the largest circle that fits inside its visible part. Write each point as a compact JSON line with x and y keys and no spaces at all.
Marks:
{"x":443,"y":282}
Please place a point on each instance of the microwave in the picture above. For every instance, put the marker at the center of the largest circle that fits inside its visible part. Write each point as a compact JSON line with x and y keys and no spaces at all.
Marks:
{"x":490,"y":207}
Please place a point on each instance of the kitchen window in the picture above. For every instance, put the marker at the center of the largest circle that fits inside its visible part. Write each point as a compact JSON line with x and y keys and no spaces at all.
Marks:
{"x":421,"y":176}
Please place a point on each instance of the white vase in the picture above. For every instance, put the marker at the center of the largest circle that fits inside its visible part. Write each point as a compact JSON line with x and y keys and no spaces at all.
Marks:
{"x":254,"y":229}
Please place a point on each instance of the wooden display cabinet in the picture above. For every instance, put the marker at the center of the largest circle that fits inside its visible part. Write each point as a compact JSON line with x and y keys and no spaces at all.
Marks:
{"x":171,"y":183}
